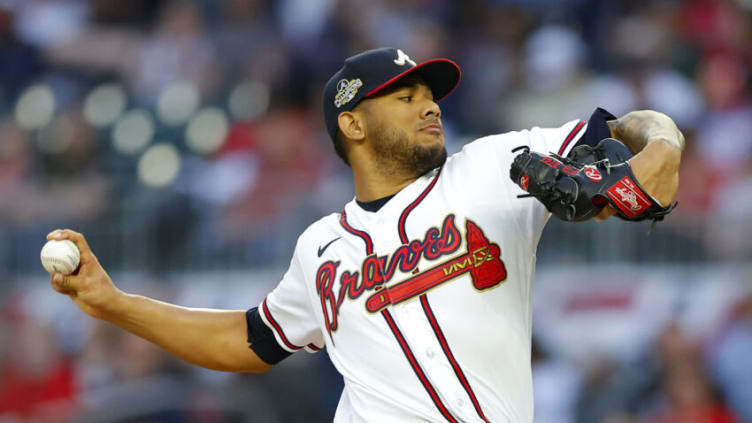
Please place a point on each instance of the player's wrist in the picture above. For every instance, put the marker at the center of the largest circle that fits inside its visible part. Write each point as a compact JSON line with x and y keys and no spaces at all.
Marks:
{"x":112,"y":305}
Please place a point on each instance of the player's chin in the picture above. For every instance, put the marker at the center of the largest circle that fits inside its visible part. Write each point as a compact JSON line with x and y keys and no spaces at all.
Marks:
{"x":431,"y":138}
{"x":428,"y":157}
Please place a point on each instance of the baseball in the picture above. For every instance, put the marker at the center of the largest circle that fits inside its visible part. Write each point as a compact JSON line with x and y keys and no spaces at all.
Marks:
{"x":60,"y":256}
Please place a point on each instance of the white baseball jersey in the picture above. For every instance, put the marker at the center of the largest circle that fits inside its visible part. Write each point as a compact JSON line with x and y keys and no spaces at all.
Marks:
{"x":424,"y":306}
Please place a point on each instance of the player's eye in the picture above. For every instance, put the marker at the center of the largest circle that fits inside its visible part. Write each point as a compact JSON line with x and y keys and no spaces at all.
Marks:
{"x":406,"y":98}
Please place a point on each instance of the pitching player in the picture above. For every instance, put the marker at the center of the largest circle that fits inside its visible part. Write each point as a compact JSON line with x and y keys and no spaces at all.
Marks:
{"x":420,"y":288}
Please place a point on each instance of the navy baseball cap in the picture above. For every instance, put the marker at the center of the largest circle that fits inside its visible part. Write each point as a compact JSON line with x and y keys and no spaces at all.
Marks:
{"x":366,"y":74}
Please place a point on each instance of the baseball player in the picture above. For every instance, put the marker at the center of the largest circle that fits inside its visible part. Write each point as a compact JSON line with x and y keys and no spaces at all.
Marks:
{"x":420,"y":288}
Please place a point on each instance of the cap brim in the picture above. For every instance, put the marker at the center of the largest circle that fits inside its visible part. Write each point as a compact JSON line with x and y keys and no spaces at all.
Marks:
{"x":442,"y":75}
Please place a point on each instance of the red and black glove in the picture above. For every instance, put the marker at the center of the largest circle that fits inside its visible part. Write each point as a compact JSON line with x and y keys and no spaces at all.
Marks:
{"x":577,"y":188}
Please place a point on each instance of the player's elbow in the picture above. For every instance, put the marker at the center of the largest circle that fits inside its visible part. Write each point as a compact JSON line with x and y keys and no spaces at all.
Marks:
{"x":659,"y":126}
{"x":245,"y":367}
{"x":257,"y":368}
{"x":250,"y":363}
{"x":245,"y":361}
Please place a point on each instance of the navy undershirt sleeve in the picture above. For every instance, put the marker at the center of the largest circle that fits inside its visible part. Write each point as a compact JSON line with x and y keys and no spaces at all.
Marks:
{"x":262,"y":339}
{"x":597,"y":128}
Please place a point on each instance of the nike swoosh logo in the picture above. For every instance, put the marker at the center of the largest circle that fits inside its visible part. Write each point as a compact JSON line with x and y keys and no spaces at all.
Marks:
{"x":322,"y":249}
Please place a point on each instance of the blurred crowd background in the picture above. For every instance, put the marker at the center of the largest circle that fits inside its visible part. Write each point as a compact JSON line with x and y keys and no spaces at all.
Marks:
{"x":184,"y":139}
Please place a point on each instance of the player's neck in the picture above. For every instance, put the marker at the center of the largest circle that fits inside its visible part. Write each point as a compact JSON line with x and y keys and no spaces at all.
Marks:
{"x":373,"y":185}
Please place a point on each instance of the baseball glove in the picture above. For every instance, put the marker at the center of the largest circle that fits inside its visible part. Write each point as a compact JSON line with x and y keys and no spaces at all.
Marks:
{"x":578,"y":187}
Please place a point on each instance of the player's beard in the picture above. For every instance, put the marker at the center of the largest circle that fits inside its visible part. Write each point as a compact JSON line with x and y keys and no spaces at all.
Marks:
{"x":396,"y":154}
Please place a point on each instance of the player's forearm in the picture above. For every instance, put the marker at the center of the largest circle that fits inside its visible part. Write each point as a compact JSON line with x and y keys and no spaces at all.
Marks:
{"x":639,"y":128}
{"x":215,"y":339}
{"x":658,"y":144}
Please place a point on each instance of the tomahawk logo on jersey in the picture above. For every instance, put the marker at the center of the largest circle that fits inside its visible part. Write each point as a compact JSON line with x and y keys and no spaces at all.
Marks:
{"x":424,"y":305}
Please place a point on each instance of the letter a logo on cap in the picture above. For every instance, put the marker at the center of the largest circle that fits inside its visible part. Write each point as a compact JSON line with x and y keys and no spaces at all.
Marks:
{"x":402,"y":58}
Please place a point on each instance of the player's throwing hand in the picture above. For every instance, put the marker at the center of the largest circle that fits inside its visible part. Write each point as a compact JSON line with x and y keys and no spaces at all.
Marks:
{"x":89,"y":286}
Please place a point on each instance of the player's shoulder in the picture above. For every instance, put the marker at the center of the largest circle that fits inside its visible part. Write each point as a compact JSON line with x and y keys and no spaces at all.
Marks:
{"x":507,"y":141}
{"x":493,"y":139}
{"x":489,"y":147}
{"x":322,"y":228}
{"x":526,"y":134}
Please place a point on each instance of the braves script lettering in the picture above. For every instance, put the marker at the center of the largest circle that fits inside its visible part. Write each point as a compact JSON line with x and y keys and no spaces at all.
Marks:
{"x":482,"y":260}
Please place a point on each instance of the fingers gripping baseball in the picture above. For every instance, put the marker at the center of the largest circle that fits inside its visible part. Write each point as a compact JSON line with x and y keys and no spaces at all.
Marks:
{"x":88,"y":286}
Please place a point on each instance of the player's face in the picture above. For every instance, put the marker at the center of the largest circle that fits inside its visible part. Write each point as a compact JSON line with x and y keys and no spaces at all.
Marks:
{"x":404,"y":127}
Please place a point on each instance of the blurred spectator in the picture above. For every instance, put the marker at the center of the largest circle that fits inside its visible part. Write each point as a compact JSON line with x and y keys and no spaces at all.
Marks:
{"x":178,"y":50}
{"x":37,"y":379}
{"x":687,"y":393}
{"x":20,"y":63}
{"x":557,"y":86}
{"x":245,"y":31}
{"x":48,"y":23}
{"x":728,"y":357}
{"x":557,"y":385}
{"x":723,"y":78}
{"x":64,"y":184}
{"x":668,"y":385}
{"x":303,"y":20}
{"x":16,"y":170}
{"x":715,"y":24}
{"x":729,"y":228}
{"x":288,"y":170}
{"x":720,"y":31}
{"x":699,"y":185}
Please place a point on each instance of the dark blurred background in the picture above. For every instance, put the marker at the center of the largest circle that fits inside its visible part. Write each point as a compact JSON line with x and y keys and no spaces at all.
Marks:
{"x":184,"y":139}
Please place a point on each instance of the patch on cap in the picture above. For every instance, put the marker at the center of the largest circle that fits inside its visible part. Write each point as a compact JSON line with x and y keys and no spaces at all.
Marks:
{"x":346,"y":91}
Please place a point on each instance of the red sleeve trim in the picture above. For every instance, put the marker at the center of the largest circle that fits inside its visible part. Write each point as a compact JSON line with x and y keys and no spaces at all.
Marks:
{"x":277,"y":328}
{"x":570,"y":137}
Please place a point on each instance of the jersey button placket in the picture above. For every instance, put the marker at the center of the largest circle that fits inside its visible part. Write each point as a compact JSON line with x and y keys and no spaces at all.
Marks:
{"x":379,"y":238}
{"x":410,"y":316}
{"x":428,"y":352}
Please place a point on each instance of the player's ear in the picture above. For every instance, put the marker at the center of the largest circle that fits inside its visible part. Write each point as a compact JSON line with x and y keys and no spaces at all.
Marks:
{"x":352,"y":126}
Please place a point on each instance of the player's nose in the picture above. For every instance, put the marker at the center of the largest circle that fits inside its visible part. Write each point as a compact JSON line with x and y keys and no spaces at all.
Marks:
{"x":432,"y":110}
